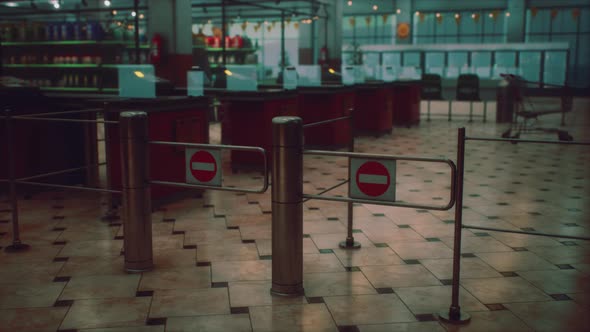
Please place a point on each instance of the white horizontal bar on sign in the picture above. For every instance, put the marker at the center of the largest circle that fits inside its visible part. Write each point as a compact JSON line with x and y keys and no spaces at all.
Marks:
{"x":372,"y":178}
{"x":203,"y":166}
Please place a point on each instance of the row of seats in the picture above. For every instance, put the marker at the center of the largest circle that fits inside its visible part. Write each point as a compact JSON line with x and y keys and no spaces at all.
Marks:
{"x":467,"y":90}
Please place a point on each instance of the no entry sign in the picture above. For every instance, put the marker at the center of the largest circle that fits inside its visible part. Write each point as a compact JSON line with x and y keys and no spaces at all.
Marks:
{"x":203,"y":167}
{"x":372,"y":179}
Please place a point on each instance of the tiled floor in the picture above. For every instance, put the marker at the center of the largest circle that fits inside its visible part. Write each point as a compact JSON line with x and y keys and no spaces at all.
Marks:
{"x":213,"y":253}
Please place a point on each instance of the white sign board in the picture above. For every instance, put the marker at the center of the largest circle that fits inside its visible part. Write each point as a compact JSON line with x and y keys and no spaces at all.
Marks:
{"x":372,"y":179}
{"x":195,"y":80}
{"x":359,"y":74}
{"x":203,"y":167}
{"x":137,"y":81}
{"x":348,"y":75}
{"x":309,"y":75}
{"x":387,"y":73}
{"x":290,"y":78}
{"x":242,"y":78}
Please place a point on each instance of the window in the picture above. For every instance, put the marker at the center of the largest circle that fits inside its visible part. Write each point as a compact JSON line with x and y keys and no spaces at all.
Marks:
{"x":459,"y":27}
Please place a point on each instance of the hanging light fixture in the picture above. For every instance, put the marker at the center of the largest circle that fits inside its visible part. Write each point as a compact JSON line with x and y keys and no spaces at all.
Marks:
{"x":107,"y":3}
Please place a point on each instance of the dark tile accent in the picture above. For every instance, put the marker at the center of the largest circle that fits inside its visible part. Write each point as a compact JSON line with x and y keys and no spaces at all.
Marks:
{"x":208,"y":205}
{"x":516,"y":182}
{"x":446,"y":282}
{"x":168,"y":220}
{"x":318,"y":299}
{"x":414,"y":190}
{"x":115,"y":224}
{"x":62,"y":279}
{"x":432,"y":239}
{"x":378,"y":214}
{"x":352,"y":268}
{"x":156,"y":321}
{"x":403,"y":226}
{"x":569,"y":243}
{"x":381,"y":245}
{"x":267,"y":212}
{"x":528,"y":229}
{"x":411,"y":261}
{"x":265,"y":257}
{"x":189,"y":246}
{"x":219,"y":284}
{"x":71,"y":330}
{"x":540,"y":200}
{"x":333,"y":218}
{"x":248,"y":241}
{"x":564,"y":266}
{"x":481,"y":234}
{"x":144,"y":293}
{"x":177,"y":232}
{"x":427,"y":181}
{"x":203,"y":263}
{"x":449,"y":221}
{"x":422,"y":211}
{"x":544,"y":189}
{"x":306,"y":236}
{"x":59,"y":243}
{"x":348,"y":328}
{"x":313,"y":208}
{"x":119,"y":237}
{"x":503,"y":204}
{"x":484,"y":185}
{"x":519,"y":249}
{"x":510,"y":192}
{"x":560,"y":297}
{"x":571,"y":224}
{"x":384,"y":290}
{"x":60,"y":259}
{"x":493,"y":217}
{"x":239,"y":310}
{"x":496,"y":306}
{"x":357,"y":231}
{"x":535,"y":213}
{"x":320,"y":188}
{"x":58,"y":207}
{"x":509,"y":274}
{"x":468,"y":255}
{"x":63,"y":303}
{"x":574,"y":210}
{"x":58,"y":229}
{"x":326,"y":251}
{"x":437,"y":198}
{"x":58,"y":217}
{"x":253,"y":203}
{"x":425,"y":317}
{"x":233,"y":227}
{"x":218,"y":215}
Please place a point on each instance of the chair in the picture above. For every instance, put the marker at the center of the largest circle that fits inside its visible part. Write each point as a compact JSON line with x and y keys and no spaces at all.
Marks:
{"x":468,"y":90}
{"x":431,"y":90}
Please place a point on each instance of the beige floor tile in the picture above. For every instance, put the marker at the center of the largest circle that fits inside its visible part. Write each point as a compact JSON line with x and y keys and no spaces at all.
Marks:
{"x":190,"y":302}
{"x":397,"y":235}
{"x":174,"y":258}
{"x":33,"y":273}
{"x":256,"y":232}
{"x":315,"y":263}
{"x":92,"y":248}
{"x":492,"y":321}
{"x":563,"y":254}
{"x":323,"y":227}
{"x":399,"y":276}
{"x":264,"y":247}
{"x":368,"y":309}
{"x":559,"y":281}
{"x":403,"y":327}
{"x":215,"y":323}
{"x":421,"y":250}
{"x":227,"y":252}
{"x":29,"y":295}
{"x":366,"y":256}
{"x":212,"y":237}
{"x":552,"y":316}
{"x":503,"y":290}
{"x":101,"y":287}
{"x":167,"y":242}
{"x":516,"y":261}
{"x":257,"y":293}
{"x":287,"y":318}
{"x":185,"y":278}
{"x":332,"y":241}
{"x":470,"y":268}
{"x":337,"y":283}
{"x":37,"y":254}
{"x":100,"y":313}
{"x":98,"y":265}
{"x":433,"y":299}
{"x":154,"y":328}
{"x":249,"y":220}
{"x":46,"y":319}
{"x":477,"y":244}
{"x":241,"y":271}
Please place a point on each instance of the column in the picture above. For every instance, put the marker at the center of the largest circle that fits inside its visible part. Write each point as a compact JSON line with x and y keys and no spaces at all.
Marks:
{"x":515,"y":28}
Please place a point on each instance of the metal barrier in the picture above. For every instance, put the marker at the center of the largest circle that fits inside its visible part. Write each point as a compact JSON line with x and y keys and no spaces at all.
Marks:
{"x":349,"y":243}
{"x":454,"y":314}
{"x":17,"y":244}
{"x":287,"y":200}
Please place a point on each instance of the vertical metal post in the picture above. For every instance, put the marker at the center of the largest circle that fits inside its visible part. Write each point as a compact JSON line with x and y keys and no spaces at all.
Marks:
{"x":450,"y":109}
{"x":287,"y":206}
{"x":485,"y":111}
{"x":350,"y":243}
{"x":428,"y":112}
{"x":137,"y":211}
{"x":454,"y":314}
{"x":17,"y":245}
{"x":224,"y":33}
{"x":283,"y":62}
{"x":136,"y":32}
{"x":111,"y":212}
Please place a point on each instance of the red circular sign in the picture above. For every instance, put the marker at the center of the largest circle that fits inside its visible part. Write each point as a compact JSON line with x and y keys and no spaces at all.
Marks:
{"x":203,"y":166}
{"x":372,"y":179}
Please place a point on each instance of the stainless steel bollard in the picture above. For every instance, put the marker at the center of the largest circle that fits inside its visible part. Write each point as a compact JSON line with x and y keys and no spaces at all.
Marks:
{"x":137,"y":223}
{"x":350,"y":243}
{"x":287,"y":206}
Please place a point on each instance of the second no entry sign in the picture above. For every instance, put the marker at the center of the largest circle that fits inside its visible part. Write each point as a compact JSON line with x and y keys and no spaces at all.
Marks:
{"x":372,"y":179}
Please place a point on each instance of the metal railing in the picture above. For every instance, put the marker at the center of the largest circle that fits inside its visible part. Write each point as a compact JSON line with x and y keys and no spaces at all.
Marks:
{"x":454,"y":314}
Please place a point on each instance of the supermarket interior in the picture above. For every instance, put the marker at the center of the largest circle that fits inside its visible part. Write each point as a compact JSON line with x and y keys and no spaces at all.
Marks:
{"x":294,"y":165}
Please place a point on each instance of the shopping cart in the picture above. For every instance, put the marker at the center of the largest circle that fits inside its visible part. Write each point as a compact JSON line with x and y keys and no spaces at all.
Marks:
{"x":527,"y":111}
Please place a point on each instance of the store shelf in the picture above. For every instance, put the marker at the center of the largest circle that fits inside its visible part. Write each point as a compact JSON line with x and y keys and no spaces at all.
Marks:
{"x":65,"y":66}
{"x":74,"y":42}
{"x":77,"y":89}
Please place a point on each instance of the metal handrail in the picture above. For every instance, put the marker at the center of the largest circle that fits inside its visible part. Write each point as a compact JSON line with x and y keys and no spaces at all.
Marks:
{"x":64,"y":112}
{"x":329,"y":189}
{"x":34,"y":118}
{"x":449,"y":162}
{"x":58,"y":172}
{"x":493,"y":229}
{"x":319,"y":123}
{"x":60,"y":186}
{"x":218,"y":147}
{"x":510,"y":140}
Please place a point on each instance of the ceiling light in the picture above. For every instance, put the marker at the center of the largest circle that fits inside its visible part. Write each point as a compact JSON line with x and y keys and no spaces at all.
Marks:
{"x":457,"y":15}
{"x":399,"y":11}
{"x":133,"y":14}
{"x":437,"y":14}
{"x":141,"y":16}
{"x":56,"y":5}
{"x":375,"y":7}
{"x":507,"y":14}
{"x":417,"y":13}
{"x":11,"y":4}
{"x":107,"y":3}
{"x":114,"y":12}
{"x":491,"y":15}
{"x":350,"y":2}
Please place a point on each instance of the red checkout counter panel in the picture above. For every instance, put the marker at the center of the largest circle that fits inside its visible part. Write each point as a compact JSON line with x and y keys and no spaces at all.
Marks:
{"x":373,"y":108}
{"x":406,"y":102}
